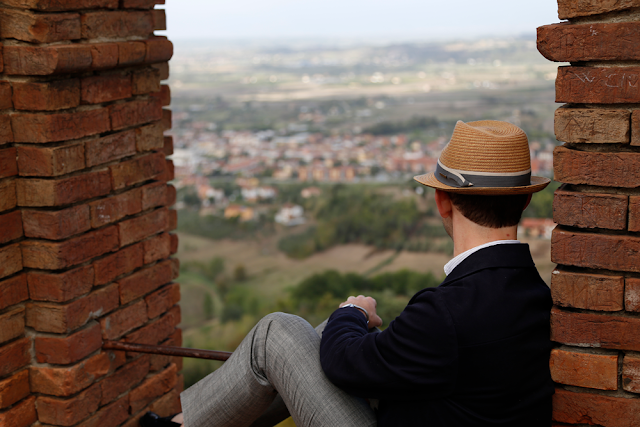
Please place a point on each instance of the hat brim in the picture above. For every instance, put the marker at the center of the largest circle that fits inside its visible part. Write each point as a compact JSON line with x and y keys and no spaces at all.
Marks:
{"x":537,"y":183}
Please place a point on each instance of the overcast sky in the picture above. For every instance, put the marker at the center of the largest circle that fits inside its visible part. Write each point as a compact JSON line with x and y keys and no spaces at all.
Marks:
{"x":394,"y":19}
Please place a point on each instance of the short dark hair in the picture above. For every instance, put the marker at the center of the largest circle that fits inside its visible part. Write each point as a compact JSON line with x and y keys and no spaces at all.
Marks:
{"x":490,"y":211}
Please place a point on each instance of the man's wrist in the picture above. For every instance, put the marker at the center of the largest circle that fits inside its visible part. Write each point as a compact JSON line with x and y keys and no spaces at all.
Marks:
{"x":364,"y":311}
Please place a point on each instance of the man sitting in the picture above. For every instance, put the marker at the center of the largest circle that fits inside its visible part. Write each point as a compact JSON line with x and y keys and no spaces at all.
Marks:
{"x":472,"y":352}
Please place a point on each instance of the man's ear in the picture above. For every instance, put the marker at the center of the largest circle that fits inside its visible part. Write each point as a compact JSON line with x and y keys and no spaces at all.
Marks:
{"x":528,"y":201}
{"x":443,"y":202}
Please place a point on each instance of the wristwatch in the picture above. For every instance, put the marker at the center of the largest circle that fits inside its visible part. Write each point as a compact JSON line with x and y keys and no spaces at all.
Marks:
{"x":366,"y":314}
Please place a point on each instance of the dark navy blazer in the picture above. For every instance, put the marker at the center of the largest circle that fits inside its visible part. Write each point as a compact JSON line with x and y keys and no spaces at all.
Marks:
{"x":472,"y":352}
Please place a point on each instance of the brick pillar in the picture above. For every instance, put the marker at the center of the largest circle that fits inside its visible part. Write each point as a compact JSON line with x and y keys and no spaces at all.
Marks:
{"x":596,"y":286}
{"x":84,"y":213}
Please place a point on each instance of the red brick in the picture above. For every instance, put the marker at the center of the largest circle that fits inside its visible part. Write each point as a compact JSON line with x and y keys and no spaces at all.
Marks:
{"x":175,"y":267}
{"x":631,"y":373}
{"x":14,"y":388}
{"x":635,"y":128}
{"x":112,"y":209}
{"x":174,"y":243}
{"x":137,"y":170}
{"x":7,"y":194}
{"x":14,"y":356}
{"x":158,"y":362}
{"x":572,"y":9}
{"x":57,"y":255}
{"x":594,"y":168}
{"x":10,"y":226}
{"x":104,"y":56}
{"x":1,"y":59}
{"x":119,"y":263}
{"x":65,"y":350}
{"x":159,"y":20}
{"x":70,"y":380}
{"x":169,"y":172}
{"x":124,"y":320}
{"x":110,"y":148}
{"x":168,"y":146}
{"x":67,"y":412}
{"x":21,"y":415}
{"x":634,"y":213}
{"x":598,"y":85}
{"x":111,"y":415}
{"x":164,"y":94}
{"x":157,"y":248}
{"x":39,"y":28}
{"x":56,"y":225}
{"x":60,"y":287}
{"x":57,"y":318}
{"x":173,"y":220}
{"x":12,"y":324}
{"x":61,"y":6}
{"x":59,"y":126}
{"x":135,"y":113}
{"x":141,"y":227}
{"x":163,"y":67}
{"x":116,"y":24}
{"x":598,"y":371}
{"x":5,"y":94}
{"x":154,"y":195}
{"x":6,"y":133}
{"x":63,"y":191}
{"x":594,"y":409}
{"x":583,"y":125}
{"x":153,"y":387}
{"x":10,"y":260}
{"x":167,"y":405}
{"x":590,"y":210}
{"x":157,"y":330}
{"x":8,"y":162}
{"x":159,"y":49}
{"x":587,"y":291}
{"x":13,"y":291}
{"x":137,"y":4}
{"x":144,"y":281}
{"x":632,"y":294}
{"x":166,"y":119}
{"x":50,"y":161}
{"x":149,"y":137}
{"x":42,"y":61}
{"x":105,"y":88}
{"x":171,"y":195}
{"x":145,"y":81}
{"x":163,"y":299}
{"x":124,"y":379}
{"x":131,"y":53}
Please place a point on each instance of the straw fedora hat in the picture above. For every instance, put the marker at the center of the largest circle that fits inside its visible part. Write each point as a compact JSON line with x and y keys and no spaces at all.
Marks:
{"x":486,"y":157}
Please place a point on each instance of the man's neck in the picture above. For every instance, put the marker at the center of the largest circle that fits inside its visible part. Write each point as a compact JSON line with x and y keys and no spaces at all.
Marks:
{"x":467,"y":235}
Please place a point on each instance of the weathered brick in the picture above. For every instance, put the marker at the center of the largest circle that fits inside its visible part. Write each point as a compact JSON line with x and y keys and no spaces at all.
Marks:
{"x":47,"y":96}
{"x":154,"y":195}
{"x":111,"y":209}
{"x":157,"y":330}
{"x":61,"y":6}
{"x":124,"y":320}
{"x":65,"y":350}
{"x":39,"y":28}
{"x":124,"y":379}
{"x":137,"y":4}
{"x":42,"y":61}
{"x":119,"y":263}
{"x":164,"y":94}
{"x":175,"y":267}
{"x":171,"y":195}
{"x":158,"y":362}
{"x":21,"y":415}
{"x":10,"y":260}
{"x":63,"y":191}
{"x":59,"y":126}
{"x":634,"y":213}
{"x":153,"y":387}
{"x":8,"y":198}
{"x":159,"y":49}
{"x":67,"y":412}
{"x":146,"y":80}
{"x":595,"y":250}
{"x":587,"y":291}
{"x":590,"y":210}
{"x":163,"y":67}
{"x":174,"y":243}
{"x":104,"y":56}
{"x":12,"y":324}
{"x":63,"y":318}
{"x":6,"y":133}
{"x":599,"y":371}
{"x":5,"y":94}
{"x":149,"y":137}
{"x":573,"y":9}
{"x":13,"y":291}
{"x":14,"y":356}
{"x":116,"y":24}
{"x":9,"y":163}
{"x":141,"y":227}
{"x":14,"y":388}
{"x":157,"y":248}
{"x":167,"y":405}
{"x":70,"y":380}
{"x":144,"y":281}
{"x":631,"y":373}
{"x":60,"y":287}
{"x":137,"y":170}
{"x":632,"y":294}
{"x":598,"y":85}
{"x":111,"y":415}
{"x":605,"y":169}
{"x":173,"y":220}
{"x":131,"y":53}
{"x":582,"y":125}
{"x":169,"y":173}
{"x":10,"y":226}
{"x":635,"y":128}
{"x":57,"y":255}
{"x":105,"y":88}
{"x":167,"y":121}
{"x":110,"y":148}
{"x":159,"y":20}
{"x":594,"y":409}
{"x":56,"y":225}
{"x":50,"y":161}
{"x":160,"y":301}
{"x":135,"y":113}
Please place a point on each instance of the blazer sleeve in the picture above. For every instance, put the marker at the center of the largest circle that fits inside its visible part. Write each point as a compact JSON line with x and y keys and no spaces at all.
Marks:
{"x":414,"y":358}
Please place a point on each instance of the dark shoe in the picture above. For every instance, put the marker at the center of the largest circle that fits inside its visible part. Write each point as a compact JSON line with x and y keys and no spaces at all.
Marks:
{"x":151,"y":419}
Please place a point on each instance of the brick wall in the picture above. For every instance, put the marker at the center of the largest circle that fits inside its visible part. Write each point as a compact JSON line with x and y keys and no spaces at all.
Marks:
{"x":85,"y":249}
{"x":596,"y":286}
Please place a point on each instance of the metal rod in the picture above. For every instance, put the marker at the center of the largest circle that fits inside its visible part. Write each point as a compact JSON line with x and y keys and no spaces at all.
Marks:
{"x":168,"y":351}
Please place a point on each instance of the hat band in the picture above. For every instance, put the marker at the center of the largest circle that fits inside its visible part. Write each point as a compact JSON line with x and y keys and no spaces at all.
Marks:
{"x":460,"y":179}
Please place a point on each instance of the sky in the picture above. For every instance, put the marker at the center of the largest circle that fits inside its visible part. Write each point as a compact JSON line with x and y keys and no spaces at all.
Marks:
{"x":359,"y":19}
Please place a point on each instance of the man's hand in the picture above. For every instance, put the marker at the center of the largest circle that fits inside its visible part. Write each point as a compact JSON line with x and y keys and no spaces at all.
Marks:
{"x":368,"y":304}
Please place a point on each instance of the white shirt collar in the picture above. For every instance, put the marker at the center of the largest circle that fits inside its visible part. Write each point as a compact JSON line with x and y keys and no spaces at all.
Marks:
{"x":448,"y":267}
